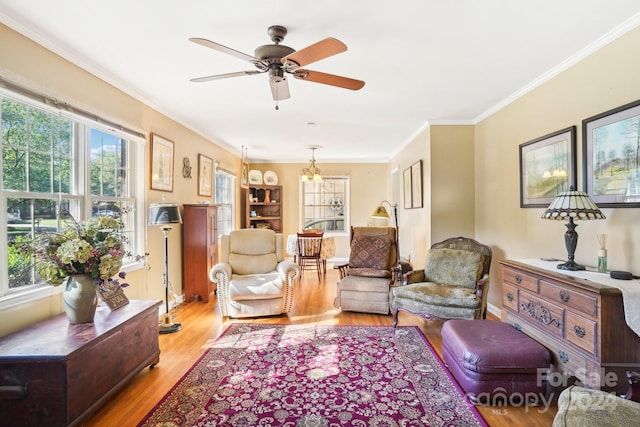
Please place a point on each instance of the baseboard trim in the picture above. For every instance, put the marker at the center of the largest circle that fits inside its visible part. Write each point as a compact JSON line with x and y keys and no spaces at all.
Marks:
{"x":496,"y":311}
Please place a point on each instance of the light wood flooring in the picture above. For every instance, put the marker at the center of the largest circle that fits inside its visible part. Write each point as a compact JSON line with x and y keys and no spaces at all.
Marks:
{"x":202,"y":323}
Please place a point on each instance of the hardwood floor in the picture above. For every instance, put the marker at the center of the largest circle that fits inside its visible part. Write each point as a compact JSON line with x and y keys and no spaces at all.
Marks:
{"x":313,"y":303}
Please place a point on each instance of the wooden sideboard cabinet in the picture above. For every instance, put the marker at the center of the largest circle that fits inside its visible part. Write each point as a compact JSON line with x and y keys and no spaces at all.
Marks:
{"x":199,"y":250}
{"x":57,"y":374}
{"x":579,"y":320}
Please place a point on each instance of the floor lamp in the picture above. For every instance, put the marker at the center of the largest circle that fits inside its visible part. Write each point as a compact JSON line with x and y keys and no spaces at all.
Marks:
{"x":165,"y":214}
{"x":381,"y":212}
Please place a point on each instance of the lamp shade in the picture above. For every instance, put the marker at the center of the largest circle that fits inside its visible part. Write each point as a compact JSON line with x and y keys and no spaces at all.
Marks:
{"x":380,"y":212}
{"x":573,"y":204}
{"x":164,"y":213}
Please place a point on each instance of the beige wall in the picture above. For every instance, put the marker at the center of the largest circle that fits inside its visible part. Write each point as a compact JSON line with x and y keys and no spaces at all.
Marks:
{"x":604,"y":80}
{"x":447,"y":154}
{"x":452,"y":182}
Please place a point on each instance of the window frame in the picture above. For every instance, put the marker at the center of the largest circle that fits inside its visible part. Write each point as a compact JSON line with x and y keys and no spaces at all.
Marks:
{"x":230,"y":202}
{"x":346,"y":208}
{"x":80,"y":191}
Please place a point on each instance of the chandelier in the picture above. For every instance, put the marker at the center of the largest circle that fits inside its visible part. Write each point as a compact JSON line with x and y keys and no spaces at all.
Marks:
{"x":312,"y":173}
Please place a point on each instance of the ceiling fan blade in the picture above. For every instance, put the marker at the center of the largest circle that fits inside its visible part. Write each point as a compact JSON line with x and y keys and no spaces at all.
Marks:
{"x":329,"y":79}
{"x":279,"y":88}
{"x":225,"y":76}
{"x":224,"y":49}
{"x":315,"y":52}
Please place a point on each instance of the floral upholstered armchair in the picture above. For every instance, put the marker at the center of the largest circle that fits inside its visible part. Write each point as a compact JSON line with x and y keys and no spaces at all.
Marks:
{"x":453,"y":284}
{"x":365,"y":282}
{"x":253,"y":277}
{"x":580,"y":406}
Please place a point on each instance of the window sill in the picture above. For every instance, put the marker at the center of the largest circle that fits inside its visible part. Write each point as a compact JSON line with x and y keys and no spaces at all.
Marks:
{"x":21,"y":297}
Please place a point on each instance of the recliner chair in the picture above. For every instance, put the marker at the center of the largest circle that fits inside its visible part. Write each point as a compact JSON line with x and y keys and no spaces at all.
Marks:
{"x":253,"y":277}
{"x":365,"y":282}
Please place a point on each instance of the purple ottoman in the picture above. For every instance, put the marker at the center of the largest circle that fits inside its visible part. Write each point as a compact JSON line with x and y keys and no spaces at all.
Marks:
{"x":493,"y":360}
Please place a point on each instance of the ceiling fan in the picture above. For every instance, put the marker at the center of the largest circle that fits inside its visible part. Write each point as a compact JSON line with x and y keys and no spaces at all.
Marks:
{"x":277,"y":59}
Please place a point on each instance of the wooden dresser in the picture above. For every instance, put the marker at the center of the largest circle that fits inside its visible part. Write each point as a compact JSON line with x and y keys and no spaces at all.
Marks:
{"x":199,"y":250}
{"x":57,"y":374}
{"x":579,"y":320}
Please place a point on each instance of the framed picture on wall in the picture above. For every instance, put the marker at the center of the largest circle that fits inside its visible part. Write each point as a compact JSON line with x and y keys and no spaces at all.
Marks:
{"x":205,"y":176}
{"x":547,"y":167}
{"x":406,"y":180}
{"x":416,"y":184}
{"x":611,"y":156}
{"x":161,"y":163}
{"x":244,"y":174}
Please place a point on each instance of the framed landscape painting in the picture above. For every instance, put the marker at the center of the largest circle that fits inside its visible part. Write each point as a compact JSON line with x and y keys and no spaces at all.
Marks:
{"x":547,"y":167}
{"x":611,"y":156}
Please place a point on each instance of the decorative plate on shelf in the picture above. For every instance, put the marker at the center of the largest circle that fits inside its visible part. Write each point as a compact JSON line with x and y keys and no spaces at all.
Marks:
{"x":270,"y":178}
{"x":255,"y":177}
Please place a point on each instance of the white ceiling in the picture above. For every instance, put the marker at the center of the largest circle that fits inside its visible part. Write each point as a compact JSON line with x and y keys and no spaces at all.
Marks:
{"x":423,"y":61}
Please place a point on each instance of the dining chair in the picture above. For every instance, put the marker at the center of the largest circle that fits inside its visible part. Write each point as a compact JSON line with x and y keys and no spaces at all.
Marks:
{"x":309,"y":254}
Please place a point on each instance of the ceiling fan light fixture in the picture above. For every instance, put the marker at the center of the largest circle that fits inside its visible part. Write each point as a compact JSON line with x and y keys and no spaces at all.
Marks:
{"x":278,"y":59}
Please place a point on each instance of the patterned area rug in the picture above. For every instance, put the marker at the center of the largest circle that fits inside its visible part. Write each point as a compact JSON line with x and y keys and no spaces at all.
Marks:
{"x":314,"y":375}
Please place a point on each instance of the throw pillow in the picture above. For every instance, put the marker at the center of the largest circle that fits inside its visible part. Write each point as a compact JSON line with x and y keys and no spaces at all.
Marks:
{"x":370,"y":252}
{"x":453,"y":267}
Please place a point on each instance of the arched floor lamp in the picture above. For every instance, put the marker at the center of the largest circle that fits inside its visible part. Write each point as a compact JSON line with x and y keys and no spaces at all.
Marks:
{"x":165,"y":214}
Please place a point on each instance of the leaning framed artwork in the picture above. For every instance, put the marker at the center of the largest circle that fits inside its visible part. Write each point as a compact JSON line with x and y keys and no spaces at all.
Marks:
{"x":611,"y":156}
{"x":406,"y":177}
{"x":547,"y":167}
{"x":161,"y":163}
{"x":416,"y":184}
{"x":205,"y":176}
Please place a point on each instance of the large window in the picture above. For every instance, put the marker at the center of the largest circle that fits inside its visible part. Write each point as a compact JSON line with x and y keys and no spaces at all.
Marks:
{"x":52,"y":163}
{"x":325,"y":204}
{"x":224,"y":197}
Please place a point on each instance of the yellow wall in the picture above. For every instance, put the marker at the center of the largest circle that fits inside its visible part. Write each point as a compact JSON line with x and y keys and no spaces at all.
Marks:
{"x":602,"y":81}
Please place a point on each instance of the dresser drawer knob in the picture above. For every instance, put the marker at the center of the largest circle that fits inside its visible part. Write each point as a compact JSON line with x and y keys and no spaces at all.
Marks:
{"x":518,"y":279}
{"x":564,"y":296}
{"x":564,"y":357}
{"x":579,"y":331}
{"x":510,"y":296}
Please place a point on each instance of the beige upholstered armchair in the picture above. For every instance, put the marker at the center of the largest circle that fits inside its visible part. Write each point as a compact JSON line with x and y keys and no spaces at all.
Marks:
{"x":253,"y":277}
{"x":366,"y":280}
{"x":453,"y":284}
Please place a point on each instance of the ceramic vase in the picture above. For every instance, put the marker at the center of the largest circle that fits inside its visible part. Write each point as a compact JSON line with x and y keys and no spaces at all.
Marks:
{"x":80,"y":299}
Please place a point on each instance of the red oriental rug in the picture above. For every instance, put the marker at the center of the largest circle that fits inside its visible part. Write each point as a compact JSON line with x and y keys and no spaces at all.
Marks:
{"x":314,"y":375}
